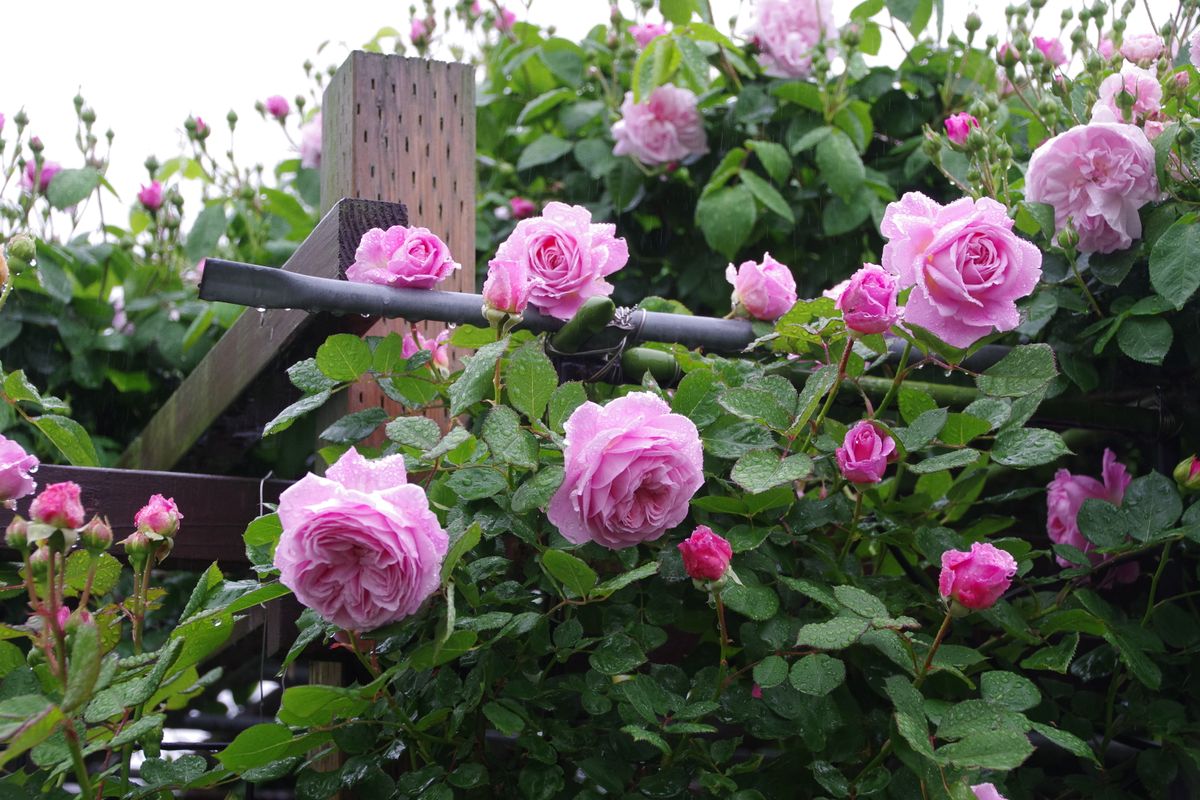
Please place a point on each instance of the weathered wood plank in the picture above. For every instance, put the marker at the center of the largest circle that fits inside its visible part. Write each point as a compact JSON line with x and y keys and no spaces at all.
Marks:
{"x":213,"y":403}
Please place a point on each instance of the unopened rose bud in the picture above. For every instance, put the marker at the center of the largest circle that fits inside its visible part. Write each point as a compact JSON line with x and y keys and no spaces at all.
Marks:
{"x":21,"y":119}
{"x":976,"y":139}
{"x":35,"y":144}
{"x":21,"y":248}
{"x":706,"y":555}
{"x":1068,"y":239}
{"x":974,"y":23}
{"x":16,"y":535}
{"x":78,"y":102}
{"x":96,"y":536}
{"x":58,"y":505}
{"x":975,"y":579}
{"x":88,"y":116}
{"x":232,"y":119}
{"x":1187,"y":474}
{"x":160,"y":515}
{"x":39,"y":563}
{"x":138,"y":547}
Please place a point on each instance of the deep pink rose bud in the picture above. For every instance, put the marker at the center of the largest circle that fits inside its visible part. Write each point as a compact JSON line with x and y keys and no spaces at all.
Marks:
{"x":69,"y":621}
{"x":1052,"y":49}
{"x":865,"y":453}
{"x":522,"y":208}
{"x":766,"y":291}
{"x":96,"y":536}
{"x":1187,"y":474}
{"x":756,"y":692}
{"x":508,"y":286}
{"x":419,"y":32}
{"x":277,"y":107}
{"x":987,"y":791}
{"x":959,"y":125}
{"x":977,"y":578}
{"x":151,"y":197}
{"x":1142,"y":48}
{"x":646,"y":32}
{"x":49,"y":170}
{"x":868,"y":303}
{"x":160,"y":515}
{"x":705,"y":555}
{"x":58,"y":506}
{"x":505,"y":21}
{"x":1008,"y":55}
{"x":16,"y":471}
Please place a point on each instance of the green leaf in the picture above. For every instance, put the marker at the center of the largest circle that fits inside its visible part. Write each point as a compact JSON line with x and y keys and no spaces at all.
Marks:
{"x":677,"y":12}
{"x":544,"y":103}
{"x":1002,"y":749}
{"x":507,"y":721}
{"x":759,"y":405}
{"x":774,"y":157}
{"x":616,"y":655}
{"x":508,"y":441}
{"x":910,"y":714}
{"x":538,"y":489}
{"x":952,"y":460}
{"x":573,"y":573}
{"x":840,"y":165}
{"x":530,"y":380}
{"x":344,"y":357}
{"x":308,"y":378}
{"x":1056,"y":658}
{"x":18,"y":387}
{"x":419,"y":432}
{"x":256,"y":746}
{"x":962,"y":428}
{"x":816,"y":386}
{"x":1028,"y":447}
{"x":625,"y":578}
{"x":284,"y":419}
{"x":759,"y":603}
{"x":817,"y":674}
{"x":768,"y":195}
{"x":475,"y":382}
{"x":543,"y":150}
{"x":108,"y":572}
{"x":1067,"y":741}
{"x":355,"y":427}
{"x":1025,"y":370}
{"x":836,"y":634}
{"x":1146,"y":339}
{"x":1009,"y":691}
{"x":923,"y":429}
{"x":70,"y":438}
{"x":861,"y":602}
{"x":565,"y":399}
{"x":461,"y":546}
{"x":693,"y":63}
{"x":1173,"y":272}
{"x":477,"y":483}
{"x":314,"y":705}
{"x":206,"y":231}
{"x":726,"y":218}
{"x":1151,"y":506}
{"x":760,"y":470}
{"x":83,"y":667}
{"x":696,"y":397}
{"x":771,"y":671}
{"x":643,"y":735}
{"x":71,"y":186}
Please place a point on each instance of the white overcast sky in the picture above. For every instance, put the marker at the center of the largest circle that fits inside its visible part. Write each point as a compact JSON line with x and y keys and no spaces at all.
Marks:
{"x":144,"y":65}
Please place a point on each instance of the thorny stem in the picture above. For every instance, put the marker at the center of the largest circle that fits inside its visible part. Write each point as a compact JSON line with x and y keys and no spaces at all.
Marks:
{"x":937,"y":642}
{"x":900,"y":374}
{"x":1086,"y":291}
{"x":724,"y":640}
{"x":81,"y":773}
{"x":1162,"y":563}
{"x":837,"y":384}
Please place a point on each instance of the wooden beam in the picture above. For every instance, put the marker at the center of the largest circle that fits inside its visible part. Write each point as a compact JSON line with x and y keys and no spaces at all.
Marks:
{"x":219,"y":402}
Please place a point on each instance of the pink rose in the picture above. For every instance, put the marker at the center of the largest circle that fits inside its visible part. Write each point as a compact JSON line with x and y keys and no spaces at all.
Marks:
{"x":1065,"y":495}
{"x":865,"y":453}
{"x":977,"y":578}
{"x":1194,"y":49}
{"x":439,"y":351}
{"x":505,"y":21}
{"x":522,"y":208}
{"x":1106,"y":48}
{"x":1133,"y":83}
{"x":58,"y":506}
{"x":766,"y":291}
{"x":567,"y":255}
{"x":151,"y":197}
{"x":987,"y":791}
{"x":16,"y":472}
{"x":835,"y":291}
{"x":966,"y":266}
{"x":959,"y":125}
{"x":310,"y":143}
{"x":756,"y":692}
{"x":1,"y":123}
{"x":705,"y":555}
{"x":419,"y":31}
{"x":201,"y":127}
{"x":1096,"y":177}
{"x":631,"y":469}
{"x":508,"y":286}
{"x":49,"y":170}
{"x":665,"y":127}
{"x":788,"y":33}
{"x":412,"y":258}
{"x":278,"y":107}
{"x":1142,"y":48}
{"x":160,"y":515}
{"x":360,"y":545}
{"x":868,"y":304}
{"x":1052,"y":49}
{"x":646,"y":32}
{"x":1007,"y":54}
{"x":64,"y":617}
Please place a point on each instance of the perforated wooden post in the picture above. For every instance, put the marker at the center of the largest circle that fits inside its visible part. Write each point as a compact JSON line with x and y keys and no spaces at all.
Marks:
{"x":403,"y":129}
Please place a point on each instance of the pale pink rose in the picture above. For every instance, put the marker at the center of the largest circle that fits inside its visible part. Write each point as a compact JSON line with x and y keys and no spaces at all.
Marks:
{"x":1142,"y":48}
{"x":706,"y":555}
{"x":278,"y":106}
{"x":631,"y":469}
{"x":865,"y":453}
{"x":645,"y":32}
{"x":49,"y":170}
{"x":412,"y":258}
{"x":1194,"y":49}
{"x":505,"y":21}
{"x":977,"y":578}
{"x":868,"y":304}
{"x":665,"y":127}
{"x":438,"y":347}
{"x":766,"y":291}
{"x":151,"y":197}
{"x":1096,"y":177}
{"x":1182,"y":80}
{"x":966,"y":266}
{"x":566,"y":254}
{"x":58,"y":506}
{"x":522,"y":208}
{"x":835,"y":291}
{"x":987,"y":791}
{"x":1106,"y":48}
{"x":508,"y":286}
{"x":1135,"y":83}
{"x":1153,"y":128}
{"x":1065,"y":495}
{"x":1,"y":123}
{"x":16,"y":472}
{"x":360,"y":545}
{"x":788,"y":32}
{"x":959,"y":125}
{"x":310,"y":142}
{"x":1052,"y":49}
{"x":160,"y":515}
{"x":419,"y":31}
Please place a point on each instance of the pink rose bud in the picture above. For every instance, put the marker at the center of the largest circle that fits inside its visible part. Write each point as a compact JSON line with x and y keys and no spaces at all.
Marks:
{"x":160,"y":515}
{"x":958,"y":126}
{"x":868,"y":303}
{"x":39,"y":563}
{"x":96,"y":536}
{"x":505,"y":21}
{"x":1008,"y":55}
{"x":411,"y":258}
{"x":865,"y":453}
{"x":986,"y":791}
{"x":1052,"y":49}
{"x":977,"y":578}
{"x":68,"y":620}
{"x":646,"y":32}
{"x":437,"y":348}
{"x":476,"y":9}
{"x":58,"y":506}
{"x":756,"y":692}
{"x":705,"y":555}
{"x":1,"y":123}
{"x":766,"y":291}
{"x":151,"y":197}
{"x":49,"y":170}
{"x":664,"y":127}
{"x":16,"y":472}
{"x":508,"y":286}
{"x":201,"y":127}
{"x":1142,"y":48}
{"x":1106,"y":48}
{"x":1187,"y":474}
{"x":138,"y":546}
{"x":310,"y":143}
{"x":277,"y":107}
{"x":419,"y":31}
{"x":16,"y":535}
{"x":522,"y":208}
